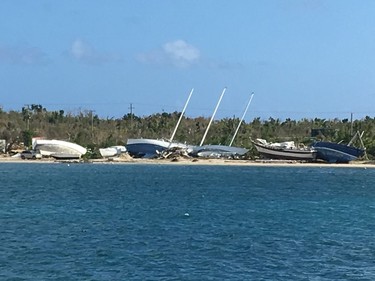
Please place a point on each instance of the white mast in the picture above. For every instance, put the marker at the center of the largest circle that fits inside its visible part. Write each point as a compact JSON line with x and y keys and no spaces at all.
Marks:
{"x":212,"y":117}
{"x":179,"y":120}
{"x":243,"y":116}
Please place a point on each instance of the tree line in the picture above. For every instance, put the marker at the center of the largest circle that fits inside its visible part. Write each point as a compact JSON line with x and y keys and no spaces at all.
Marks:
{"x":89,"y":130}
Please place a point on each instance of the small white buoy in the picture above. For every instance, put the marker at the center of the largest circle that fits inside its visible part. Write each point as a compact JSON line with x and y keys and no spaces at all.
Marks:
{"x":186,"y":215}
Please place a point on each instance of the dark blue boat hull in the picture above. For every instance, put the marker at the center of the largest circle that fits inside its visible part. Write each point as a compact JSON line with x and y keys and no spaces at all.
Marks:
{"x":144,"y":150}
{"x":336,"y":153}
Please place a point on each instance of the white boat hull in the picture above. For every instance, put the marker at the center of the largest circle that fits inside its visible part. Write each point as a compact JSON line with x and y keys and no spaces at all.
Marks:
{"x":286,"y":153}
{"x":112,"y":151}
{"x":56,"y":147}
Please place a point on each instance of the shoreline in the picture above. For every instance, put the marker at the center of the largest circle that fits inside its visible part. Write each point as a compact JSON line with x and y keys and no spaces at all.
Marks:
{"x":196,"y":161}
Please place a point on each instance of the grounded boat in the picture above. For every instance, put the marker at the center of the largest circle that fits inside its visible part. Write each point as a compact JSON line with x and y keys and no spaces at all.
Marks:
{"x":284,"y":151}
{"x":148,"y":148}
{"x":112,"y":151}
{"x":220,"y":151}
{"x":65,"y":156}
{"x":58,"y":148}
{"x":336,"y":152}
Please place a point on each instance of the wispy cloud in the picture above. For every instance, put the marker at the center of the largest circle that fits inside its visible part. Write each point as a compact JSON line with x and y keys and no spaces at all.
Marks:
{"x":21,"y":55}
{"x":178,"y":53}
{"x":181,"y":53}
{"x":84,"y":52}
{"x":80,"y":50}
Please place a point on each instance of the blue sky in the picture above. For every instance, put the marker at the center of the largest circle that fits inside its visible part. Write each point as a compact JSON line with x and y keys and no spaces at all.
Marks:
{"x":301,"y":58}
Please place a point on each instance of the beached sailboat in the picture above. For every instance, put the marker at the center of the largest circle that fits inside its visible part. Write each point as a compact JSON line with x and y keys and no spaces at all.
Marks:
{"x":338,"y":152}
{"x":284,"y":151}
{"x":218,"y":151}
{"x":149,"y":148}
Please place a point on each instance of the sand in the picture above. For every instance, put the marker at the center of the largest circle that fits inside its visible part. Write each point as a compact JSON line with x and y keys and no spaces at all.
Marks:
{"x":198,"y":161}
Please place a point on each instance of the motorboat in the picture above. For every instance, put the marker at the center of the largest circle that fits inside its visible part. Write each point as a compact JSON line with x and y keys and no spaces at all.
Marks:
{"x":58,"y":148}
{"x":112,"y":151}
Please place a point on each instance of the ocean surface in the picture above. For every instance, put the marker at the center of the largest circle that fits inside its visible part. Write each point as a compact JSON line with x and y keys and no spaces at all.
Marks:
{"x":172,"y":222}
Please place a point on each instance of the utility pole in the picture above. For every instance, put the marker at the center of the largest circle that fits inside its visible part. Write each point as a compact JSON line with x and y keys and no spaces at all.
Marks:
{"x":351,"y":124}
{"x":131,"y":107}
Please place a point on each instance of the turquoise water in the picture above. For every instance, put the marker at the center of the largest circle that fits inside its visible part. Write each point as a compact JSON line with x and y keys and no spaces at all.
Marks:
{"x":160,"y":222}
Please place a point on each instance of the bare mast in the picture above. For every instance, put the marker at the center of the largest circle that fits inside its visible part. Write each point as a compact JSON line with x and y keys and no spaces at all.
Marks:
{"x":243,"y":116}
{"x":179,"y":120}
{"x":212,"y":117}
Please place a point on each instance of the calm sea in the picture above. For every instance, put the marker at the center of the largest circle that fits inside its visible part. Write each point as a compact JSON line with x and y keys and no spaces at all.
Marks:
{"x":166,"y":222}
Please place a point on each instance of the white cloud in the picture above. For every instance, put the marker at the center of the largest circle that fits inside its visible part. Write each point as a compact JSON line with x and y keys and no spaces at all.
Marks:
{"x":21,"y":55}
{"x":81,"y":50}
{"x":177,"y":53}
{"x":181,"y":53}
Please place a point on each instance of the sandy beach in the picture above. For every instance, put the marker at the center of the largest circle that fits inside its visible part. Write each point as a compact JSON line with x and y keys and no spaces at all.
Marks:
{"x":196,"y":161}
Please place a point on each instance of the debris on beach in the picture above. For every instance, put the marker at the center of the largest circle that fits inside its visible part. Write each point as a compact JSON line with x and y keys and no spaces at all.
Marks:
{"x":174,"y":153}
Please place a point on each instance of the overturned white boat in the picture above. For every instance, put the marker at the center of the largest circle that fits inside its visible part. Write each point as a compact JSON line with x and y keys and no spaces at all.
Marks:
{"x":112,"y":151}
{"x":58,"y":149}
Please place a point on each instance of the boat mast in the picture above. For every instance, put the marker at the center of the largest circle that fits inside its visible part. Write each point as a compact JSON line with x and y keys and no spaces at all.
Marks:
{"x":212,"y":117}
{"x":243,"y":116}
{"x":179,"y":120}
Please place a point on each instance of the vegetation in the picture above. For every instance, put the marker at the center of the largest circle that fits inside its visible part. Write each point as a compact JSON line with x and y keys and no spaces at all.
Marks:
{"x":90,"y":131}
